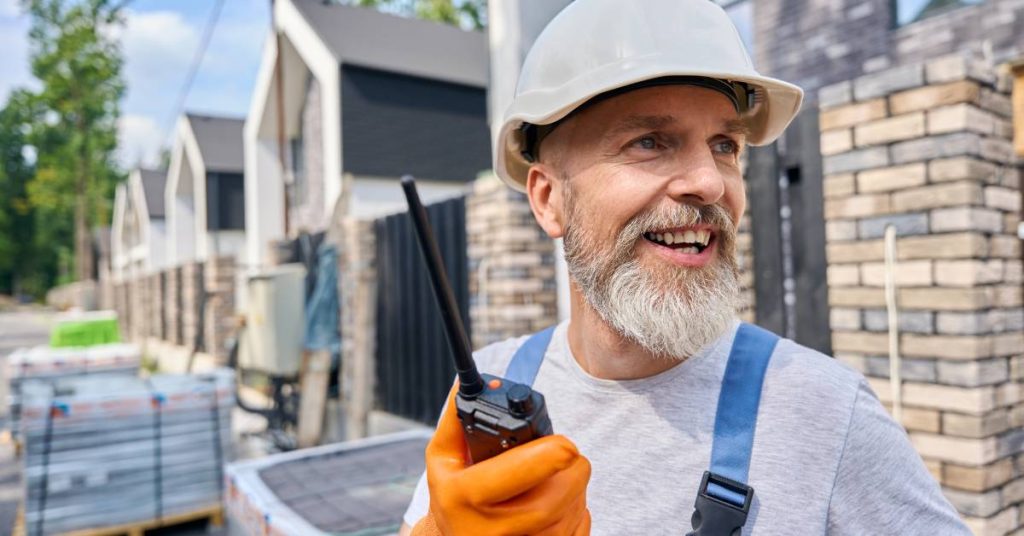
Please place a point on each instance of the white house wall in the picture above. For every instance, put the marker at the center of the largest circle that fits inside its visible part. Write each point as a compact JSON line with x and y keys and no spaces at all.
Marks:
{"x":264,"y":215}
{"x":325,"y":68}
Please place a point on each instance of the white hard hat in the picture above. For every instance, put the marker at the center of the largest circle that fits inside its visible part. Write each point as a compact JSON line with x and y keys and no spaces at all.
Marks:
{"x":594,"y":47}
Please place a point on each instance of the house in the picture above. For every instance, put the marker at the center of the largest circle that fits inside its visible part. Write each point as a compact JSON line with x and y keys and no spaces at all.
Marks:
{"x":138,"y":236}
{"x":366,"y":96}
{"x":204,"y":194}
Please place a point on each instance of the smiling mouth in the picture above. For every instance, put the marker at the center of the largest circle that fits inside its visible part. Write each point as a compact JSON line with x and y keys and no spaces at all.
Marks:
{"x":693,"y":241}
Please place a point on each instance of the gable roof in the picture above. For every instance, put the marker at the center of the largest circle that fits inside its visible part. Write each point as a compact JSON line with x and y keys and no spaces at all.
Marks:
{"x":368,"y":38}
{"x":220,"y":142}
{"x":153,"y":184}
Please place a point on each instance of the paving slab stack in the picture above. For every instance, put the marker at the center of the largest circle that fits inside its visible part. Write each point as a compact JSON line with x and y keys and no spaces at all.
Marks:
{"x":926,"y":149}
{"x":101,"y":451}
{"x":46,"y":364}
{"x":345,"y":489}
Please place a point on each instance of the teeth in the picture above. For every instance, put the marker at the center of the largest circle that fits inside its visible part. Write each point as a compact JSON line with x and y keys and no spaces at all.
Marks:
{"x":701,"y":237}
{"x":691,"y":250}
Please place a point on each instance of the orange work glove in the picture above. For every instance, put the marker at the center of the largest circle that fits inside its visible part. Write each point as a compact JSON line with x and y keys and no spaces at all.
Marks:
{"x":538,"y":488}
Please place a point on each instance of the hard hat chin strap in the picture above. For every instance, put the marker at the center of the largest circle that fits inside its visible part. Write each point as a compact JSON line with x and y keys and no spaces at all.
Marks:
{"x":741,"y":94}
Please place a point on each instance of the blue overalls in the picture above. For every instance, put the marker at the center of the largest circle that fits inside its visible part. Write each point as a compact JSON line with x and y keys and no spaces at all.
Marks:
{"x":723,"y":499}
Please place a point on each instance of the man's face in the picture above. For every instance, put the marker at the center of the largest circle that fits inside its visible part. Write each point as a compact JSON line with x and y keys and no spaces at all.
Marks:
{"x":651,"y":193}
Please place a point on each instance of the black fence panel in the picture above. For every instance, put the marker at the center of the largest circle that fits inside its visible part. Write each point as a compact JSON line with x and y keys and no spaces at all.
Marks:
{"x":414,"y":363}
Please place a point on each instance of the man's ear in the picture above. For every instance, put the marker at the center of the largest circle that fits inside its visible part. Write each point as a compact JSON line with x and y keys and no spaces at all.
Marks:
{"x":544,"y":189}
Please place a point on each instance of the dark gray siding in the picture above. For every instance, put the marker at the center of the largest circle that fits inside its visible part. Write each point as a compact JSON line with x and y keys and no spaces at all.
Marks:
{"x":225,"y":201}
{"x":394,"y":124}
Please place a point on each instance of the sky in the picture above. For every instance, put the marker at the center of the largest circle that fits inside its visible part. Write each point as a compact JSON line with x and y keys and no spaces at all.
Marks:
{"x":159,"y":41}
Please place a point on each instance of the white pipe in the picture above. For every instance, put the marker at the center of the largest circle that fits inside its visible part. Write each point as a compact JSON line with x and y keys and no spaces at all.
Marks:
{"x":895,"y":382}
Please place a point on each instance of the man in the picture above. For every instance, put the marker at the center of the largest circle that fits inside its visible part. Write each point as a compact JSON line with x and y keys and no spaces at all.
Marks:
{"x":626,"y":133}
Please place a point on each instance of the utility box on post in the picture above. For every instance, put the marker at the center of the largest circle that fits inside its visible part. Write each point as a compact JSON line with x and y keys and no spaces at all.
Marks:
{"x":275,"y":321}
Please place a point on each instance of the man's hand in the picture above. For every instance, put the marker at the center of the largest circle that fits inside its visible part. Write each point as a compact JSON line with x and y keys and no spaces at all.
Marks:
{"x":539,"y":488}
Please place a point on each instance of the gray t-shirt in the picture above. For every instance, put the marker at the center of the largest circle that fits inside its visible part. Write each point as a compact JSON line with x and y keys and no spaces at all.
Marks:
{"x":827,"y":458}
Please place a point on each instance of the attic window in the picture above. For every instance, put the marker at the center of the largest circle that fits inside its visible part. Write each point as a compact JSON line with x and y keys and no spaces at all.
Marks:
{"x":910,"y":11}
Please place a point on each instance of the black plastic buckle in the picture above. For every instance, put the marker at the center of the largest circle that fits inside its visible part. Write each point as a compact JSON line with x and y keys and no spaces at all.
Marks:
{"x":713,"y":516}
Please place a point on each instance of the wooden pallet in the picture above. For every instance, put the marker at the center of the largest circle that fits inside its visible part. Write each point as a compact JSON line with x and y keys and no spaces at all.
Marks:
{"x":215,"y":515}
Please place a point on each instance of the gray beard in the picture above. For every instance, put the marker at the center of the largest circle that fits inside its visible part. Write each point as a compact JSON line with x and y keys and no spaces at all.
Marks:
{"x":672,"y":315}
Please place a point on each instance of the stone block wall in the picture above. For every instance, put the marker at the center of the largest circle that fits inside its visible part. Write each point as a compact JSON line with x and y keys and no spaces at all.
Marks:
{"x":511,"y":265}
{"x":820,"y":43}
{"x":220,"y":320}
{"x":357,"y":293}
{"x":933,"y":159}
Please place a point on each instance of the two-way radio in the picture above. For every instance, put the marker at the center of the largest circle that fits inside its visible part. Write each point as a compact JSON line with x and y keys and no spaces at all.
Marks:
{"x":496,"y":414}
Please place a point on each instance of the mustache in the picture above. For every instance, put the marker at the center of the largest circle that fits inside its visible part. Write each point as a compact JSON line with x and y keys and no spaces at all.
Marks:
{"x":686,"y":215}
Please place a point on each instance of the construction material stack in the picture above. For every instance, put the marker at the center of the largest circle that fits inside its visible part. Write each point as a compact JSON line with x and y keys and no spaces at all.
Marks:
{"x":358,"y":487}
{"x":113,"y":450}
{"x":48,"y":364}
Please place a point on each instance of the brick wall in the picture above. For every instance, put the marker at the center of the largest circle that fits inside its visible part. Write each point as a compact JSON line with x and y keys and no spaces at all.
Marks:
{"x":819,"y":43}
{"x":933,"y":159}
{"x":511,"y":265}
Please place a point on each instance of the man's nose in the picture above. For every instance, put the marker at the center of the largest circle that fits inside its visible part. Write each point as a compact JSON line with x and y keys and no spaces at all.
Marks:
{"x":696,"y":177}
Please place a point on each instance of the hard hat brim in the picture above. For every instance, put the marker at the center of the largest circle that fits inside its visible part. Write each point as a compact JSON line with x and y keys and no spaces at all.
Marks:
{"x":780,"y":104}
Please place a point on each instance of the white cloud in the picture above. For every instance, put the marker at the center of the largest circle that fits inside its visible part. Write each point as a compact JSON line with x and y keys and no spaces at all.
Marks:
{"x":139,"y":141}
{"x":158,"y":47}
{"x":10,"y":8}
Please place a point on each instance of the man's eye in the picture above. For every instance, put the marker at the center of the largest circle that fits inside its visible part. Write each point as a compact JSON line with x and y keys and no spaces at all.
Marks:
{"x":727,"y":146}
{"x":646,"y":142}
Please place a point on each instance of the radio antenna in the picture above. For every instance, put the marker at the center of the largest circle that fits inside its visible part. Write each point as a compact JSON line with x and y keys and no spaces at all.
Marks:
{"x":471,"y":383}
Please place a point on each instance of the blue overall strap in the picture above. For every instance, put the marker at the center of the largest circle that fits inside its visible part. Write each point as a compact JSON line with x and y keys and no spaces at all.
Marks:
{"x":529,"y":357}
{"x":724,"y":497}
{"x":736,"y":418}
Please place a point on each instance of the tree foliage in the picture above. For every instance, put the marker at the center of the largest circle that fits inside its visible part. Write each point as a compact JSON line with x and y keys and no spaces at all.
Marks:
{"x":78,"y":62}
{"x":468,"y":14}
{"x":57,"y":169}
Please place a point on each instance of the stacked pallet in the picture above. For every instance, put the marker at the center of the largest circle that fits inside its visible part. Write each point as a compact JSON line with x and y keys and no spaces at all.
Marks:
{"x":46,"y":364}
{"x":114,"y":449}
{"x":359,"y":487}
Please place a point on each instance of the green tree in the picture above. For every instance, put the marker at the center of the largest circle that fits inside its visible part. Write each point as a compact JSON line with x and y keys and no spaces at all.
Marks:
{"x":16,"y":215}
{"x":78,"y":62}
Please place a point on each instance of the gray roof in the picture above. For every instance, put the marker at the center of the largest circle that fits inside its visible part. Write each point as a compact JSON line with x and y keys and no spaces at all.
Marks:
{"x":368,"y":38}
{"x":220,"y":142}
{"x":153,"y":183}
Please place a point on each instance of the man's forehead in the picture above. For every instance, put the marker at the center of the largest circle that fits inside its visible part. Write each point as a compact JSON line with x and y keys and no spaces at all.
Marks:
{"x":628,"y":122}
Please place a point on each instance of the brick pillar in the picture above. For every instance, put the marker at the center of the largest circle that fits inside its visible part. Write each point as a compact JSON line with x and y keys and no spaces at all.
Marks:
{"x":221,"y":323}
{"x":511,"y":265}
{"x":190,"y":293}
{"x":172,"y":301}
{"x":156,"y":300}
{"x":357,"y":294}
{"x":926,"y":148}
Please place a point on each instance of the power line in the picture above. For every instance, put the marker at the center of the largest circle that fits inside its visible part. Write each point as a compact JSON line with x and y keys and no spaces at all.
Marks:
{"x":197,"y":61}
